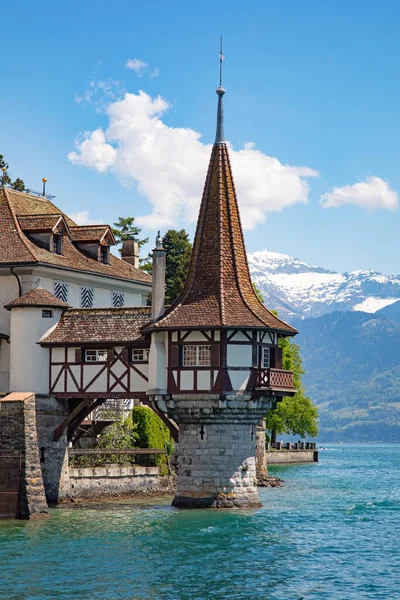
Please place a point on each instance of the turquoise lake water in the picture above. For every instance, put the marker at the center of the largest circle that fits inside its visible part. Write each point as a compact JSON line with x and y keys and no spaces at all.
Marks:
{"x":332,"y":533}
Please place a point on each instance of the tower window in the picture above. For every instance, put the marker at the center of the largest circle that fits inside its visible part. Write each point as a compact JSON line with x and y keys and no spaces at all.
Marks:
{"x":96,"y":355}
{"x":196,"y":356}
{"x":105,"y":255}
{"x":265,"y":357}
{"x":57,"y":243}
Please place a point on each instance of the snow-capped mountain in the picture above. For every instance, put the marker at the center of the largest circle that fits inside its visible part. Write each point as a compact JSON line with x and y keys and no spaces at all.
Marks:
{"x":298,"y":289}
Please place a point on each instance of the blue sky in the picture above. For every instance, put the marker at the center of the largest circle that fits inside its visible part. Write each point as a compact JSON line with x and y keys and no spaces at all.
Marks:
{"x":312,"y":84}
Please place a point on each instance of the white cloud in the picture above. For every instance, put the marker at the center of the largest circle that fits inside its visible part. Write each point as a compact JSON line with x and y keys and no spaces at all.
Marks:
{"x":136,"y":65}
{"x":94,"y":151}
{"x":373,"y":193}
{"x":169,"y":164}
{"x":82,"y":218}
{"x":154,"y":73}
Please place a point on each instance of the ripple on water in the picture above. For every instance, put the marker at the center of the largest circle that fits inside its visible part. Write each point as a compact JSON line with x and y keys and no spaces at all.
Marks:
{"x":331,"y":533}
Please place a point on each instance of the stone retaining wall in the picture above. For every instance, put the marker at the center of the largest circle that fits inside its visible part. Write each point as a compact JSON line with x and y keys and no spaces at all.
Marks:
{"x":281,"y":457}
{"x":18,"y":435}
{"x":114,"y":481}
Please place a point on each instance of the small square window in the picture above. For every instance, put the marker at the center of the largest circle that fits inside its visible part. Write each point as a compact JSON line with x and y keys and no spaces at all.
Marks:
{"x":196,"y":356}
{"x":96,"y":355}
{"x":140,"y":355}
{"x":47,"y":314}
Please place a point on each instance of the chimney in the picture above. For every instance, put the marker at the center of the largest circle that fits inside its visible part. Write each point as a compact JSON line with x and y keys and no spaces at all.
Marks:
{"x":130,"y":252}
{"x":158,"y":288}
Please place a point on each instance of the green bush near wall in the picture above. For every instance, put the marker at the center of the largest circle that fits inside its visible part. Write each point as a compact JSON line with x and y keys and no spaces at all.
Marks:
{"x":151,"y":432}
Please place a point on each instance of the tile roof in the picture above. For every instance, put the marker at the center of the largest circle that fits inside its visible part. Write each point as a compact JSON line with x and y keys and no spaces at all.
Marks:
{"x":39,"y":222}
{"x":80,"y":326}
{"x":218,"y":291}
{"x":17,"y":397}
{"x":37,"y":297}
{"x":16,"y":248}
{"x":90,"y":233}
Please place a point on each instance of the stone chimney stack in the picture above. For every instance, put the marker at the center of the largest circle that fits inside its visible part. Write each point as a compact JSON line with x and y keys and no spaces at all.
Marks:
{"x":130,"y":252}
{"x":158,"y":288}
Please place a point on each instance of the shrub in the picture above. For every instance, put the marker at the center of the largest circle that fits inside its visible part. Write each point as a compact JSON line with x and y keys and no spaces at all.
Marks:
{"x":152,"y":433}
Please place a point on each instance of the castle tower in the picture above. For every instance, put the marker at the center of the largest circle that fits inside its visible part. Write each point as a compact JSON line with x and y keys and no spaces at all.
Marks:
{"x":220,"y":343}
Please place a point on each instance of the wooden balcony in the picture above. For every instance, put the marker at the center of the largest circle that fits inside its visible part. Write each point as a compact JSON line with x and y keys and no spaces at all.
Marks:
{"x":276,"y":380}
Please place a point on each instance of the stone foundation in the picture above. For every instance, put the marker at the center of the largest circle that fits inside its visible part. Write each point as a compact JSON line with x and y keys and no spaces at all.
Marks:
{"x":283,"y":457}
{"x":114,"y":481}
{"x":217,"y":449}
{"x":18,"y":435}
{"x":50,"y":412}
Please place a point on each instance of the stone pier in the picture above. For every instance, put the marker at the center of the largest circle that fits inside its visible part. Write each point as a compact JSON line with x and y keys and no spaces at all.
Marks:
{"x":217,"y":450}
{"x":18,"y":436}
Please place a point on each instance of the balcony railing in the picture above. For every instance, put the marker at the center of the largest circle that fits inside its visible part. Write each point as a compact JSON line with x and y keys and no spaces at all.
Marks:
{"x":274,"y":379}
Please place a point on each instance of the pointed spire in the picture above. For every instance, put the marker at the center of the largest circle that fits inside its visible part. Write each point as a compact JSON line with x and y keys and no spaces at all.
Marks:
{"x":218,"y":291}
{"x":219,"y":136}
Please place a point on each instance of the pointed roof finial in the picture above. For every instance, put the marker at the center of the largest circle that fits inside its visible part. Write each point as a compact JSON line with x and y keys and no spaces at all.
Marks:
{"x":219,"y":136}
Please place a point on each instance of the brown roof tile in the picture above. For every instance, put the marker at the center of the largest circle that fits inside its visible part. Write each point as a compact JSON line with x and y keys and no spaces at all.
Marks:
{"x":80,"y":326}
{"x":16,"y":248}
{"x":37,"y":297}
{"x":39,"y":222}
{"x":90,"y":233}
{"x":218,"y":290}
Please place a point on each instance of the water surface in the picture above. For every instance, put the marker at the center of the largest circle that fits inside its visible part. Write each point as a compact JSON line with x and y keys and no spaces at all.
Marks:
{"x":331,"y":533}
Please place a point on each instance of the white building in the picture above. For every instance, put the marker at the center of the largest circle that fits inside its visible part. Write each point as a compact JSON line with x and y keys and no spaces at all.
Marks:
{"x":41,"y":247}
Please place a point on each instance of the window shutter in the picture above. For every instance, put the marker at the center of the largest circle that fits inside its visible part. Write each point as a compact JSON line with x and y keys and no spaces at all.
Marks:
{"x":174,"y":356}
{"x":278,"y":358}
{"x":125,"y":354}
{"x":215,"y":355}
{"x":78,"y":355}
{"x":110,"y":354}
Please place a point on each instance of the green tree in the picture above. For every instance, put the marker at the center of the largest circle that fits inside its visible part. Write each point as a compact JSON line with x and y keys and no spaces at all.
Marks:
{"x":295,"y":415}
{"x":118,"y":436}
{"x":125,"y":229}
{"x":152,"y":433}
{"x":258,"y":293}
{"x":179,"y":251}
{"x":18,"y":184}
{"x":5,"y":179}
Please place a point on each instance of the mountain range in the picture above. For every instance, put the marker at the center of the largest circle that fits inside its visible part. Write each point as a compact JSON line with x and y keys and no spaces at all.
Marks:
{"x":298,"y":289}
{"x":349,"y":336}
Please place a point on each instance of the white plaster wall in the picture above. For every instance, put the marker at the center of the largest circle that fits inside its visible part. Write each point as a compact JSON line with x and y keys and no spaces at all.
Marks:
{"x":239,"y":355}
{"x":187,"y":378}
{"x":8,"y":291}
{"x":29,"y":362}
{"x":239,"y":336}
{"x":196,"y":336}
{"x":158,"y":362}
{"x":239,"y":379}
{"x":135,"y":294}
{"x":204,"y":380}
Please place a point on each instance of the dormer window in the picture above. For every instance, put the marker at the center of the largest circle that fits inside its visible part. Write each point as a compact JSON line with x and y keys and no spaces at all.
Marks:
{"x":105,"y":254}
{"x":57,"y":243}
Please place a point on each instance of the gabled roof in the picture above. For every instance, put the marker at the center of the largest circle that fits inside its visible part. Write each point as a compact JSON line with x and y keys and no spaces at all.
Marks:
{"x":92,"y":233}
{"x":37,"y":297}
{"x":83,"y":326}
{"x":16,"y":248}
{"x":218,"y":291}
{"x":36,"y":223}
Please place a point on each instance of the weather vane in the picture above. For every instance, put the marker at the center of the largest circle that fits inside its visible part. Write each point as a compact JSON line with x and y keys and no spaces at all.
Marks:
{"x":221,"y":60}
